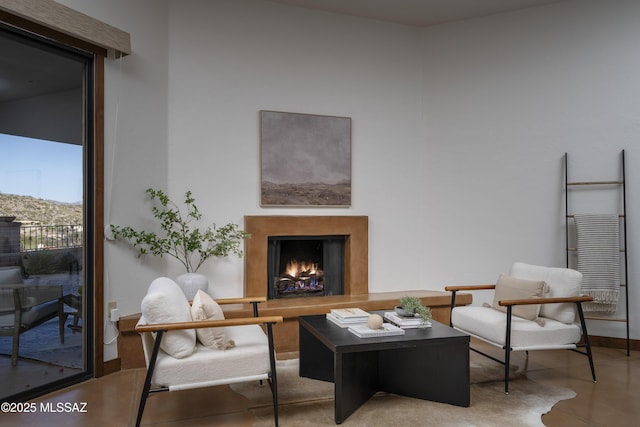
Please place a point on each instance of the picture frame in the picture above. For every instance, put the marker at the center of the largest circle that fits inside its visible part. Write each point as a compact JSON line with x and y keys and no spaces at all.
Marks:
{"x":305,"y":159}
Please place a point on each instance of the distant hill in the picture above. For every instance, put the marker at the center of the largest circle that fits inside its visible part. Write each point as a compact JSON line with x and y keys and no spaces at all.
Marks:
{"x":43,"y":212}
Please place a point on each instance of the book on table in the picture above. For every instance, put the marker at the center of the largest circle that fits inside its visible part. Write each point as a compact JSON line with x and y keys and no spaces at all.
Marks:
{"x":404,"y":322}
{"x":344,"y":324}
{"x":356,"y":315}
{"x":364,"y":331}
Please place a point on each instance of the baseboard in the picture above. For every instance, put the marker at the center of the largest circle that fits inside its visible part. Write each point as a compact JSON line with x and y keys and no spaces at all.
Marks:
{"x":111,"y":366}
{"x":610,"y":342}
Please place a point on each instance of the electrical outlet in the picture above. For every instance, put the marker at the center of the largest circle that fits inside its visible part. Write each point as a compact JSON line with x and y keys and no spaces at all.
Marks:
{"x":111,"y":305}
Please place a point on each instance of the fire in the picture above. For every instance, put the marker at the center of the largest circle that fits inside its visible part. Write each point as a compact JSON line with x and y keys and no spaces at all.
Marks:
{"x":296,"y":268}
{"x":300,"y":279}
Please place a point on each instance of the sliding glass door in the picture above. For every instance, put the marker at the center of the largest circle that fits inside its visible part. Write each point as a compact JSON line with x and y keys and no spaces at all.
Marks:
{"x":46,"y":217}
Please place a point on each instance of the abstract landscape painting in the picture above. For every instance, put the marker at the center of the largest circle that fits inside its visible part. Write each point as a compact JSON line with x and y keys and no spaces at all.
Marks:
{"x":305,"y":159}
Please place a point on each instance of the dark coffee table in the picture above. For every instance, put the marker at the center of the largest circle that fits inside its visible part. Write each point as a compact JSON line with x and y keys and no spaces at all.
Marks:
{"x":430,"y":364}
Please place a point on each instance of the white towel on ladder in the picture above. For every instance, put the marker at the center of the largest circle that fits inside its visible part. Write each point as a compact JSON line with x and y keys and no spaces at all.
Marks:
{"x":598,"y":247}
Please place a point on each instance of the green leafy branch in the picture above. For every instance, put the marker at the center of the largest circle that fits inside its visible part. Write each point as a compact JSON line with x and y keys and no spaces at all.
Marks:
{"x":182,"y":240}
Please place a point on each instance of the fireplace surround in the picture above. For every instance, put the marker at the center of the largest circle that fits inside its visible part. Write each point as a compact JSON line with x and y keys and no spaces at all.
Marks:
{"x":356,"y":247}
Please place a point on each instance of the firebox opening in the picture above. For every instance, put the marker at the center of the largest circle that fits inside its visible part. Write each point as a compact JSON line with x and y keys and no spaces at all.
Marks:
{"x":304,"y":266}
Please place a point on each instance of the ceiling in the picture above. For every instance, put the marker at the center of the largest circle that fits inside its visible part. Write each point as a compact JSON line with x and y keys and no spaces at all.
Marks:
{"x":26,"y":72}
{"x":418,"y":13}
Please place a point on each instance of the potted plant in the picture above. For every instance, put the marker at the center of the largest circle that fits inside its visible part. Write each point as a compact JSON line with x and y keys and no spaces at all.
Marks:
{"x":412,"y":306}
{"x":182,"y":239}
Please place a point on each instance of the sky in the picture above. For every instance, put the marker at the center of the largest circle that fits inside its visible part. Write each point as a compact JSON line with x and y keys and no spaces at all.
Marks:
{"x":42,"y":169}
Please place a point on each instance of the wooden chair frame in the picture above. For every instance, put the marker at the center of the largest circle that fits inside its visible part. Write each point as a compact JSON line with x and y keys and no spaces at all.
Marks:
{"x":509,"y":304}
{"x":161,"y":328}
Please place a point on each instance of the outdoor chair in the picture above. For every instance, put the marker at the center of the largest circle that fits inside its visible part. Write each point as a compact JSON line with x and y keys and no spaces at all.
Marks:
{"x":25,"y":306}
{"x":533,"y":308}
{"x":192,"y":346}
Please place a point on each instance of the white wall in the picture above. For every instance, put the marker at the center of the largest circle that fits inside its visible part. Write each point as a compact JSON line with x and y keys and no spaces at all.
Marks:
{"x":229,"y":60}
{"x":458,"y":130}
{"x":135,"y":141}
{"x":505,"y":97}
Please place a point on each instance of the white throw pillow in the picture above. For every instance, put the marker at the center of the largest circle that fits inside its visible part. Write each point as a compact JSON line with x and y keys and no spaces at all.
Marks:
{"x":166,"y":303}
{"x":562,"y":282}
{"x":511,"y":288}
{"x":205,"y":308}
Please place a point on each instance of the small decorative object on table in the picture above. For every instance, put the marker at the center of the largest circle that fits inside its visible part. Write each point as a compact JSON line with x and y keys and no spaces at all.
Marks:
{"x":375,"y":321}
{"x":411,"y":307}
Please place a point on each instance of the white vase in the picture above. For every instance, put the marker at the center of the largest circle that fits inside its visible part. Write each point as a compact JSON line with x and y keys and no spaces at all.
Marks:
{"x":191,"y":283}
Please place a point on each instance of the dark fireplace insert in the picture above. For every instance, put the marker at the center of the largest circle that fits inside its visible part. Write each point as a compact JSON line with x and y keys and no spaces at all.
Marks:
{"x":305,"y":266}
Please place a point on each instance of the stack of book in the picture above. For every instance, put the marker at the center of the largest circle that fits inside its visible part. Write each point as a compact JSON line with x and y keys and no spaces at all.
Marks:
{"x":404,"y":322}
{"x":364,"y":331}
{"x":345,"y":317}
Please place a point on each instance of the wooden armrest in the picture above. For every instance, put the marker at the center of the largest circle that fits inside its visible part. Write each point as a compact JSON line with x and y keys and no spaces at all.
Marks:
{"x":468,"y":287}
{"x":241,"y":300}
{"x":244,"y":300}
{"x":208,"y":324}
{"x":529,"y":301}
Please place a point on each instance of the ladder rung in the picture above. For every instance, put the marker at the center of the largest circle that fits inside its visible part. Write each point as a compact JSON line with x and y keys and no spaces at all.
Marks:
{"x":574,"y":249}
{"x":622,"y":285}
{"x":610,"y":319}
{"x":595,"y":183}
{"x":573,"y":216}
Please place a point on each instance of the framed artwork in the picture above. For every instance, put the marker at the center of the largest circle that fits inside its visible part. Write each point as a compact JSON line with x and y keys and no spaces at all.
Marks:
{"x":305,"y":159}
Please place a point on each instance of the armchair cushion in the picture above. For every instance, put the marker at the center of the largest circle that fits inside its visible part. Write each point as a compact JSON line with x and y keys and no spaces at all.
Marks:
{"x":204,"y":307}
{"x":562,"y":282}
{"x":166,"y":303}
{"x":510,"y":288}
{"x":47,"y":310}
{"x":249,"y":357}
{"x":10,"y":275}
{"x":37,"y":302}
{"x":490,"y":324}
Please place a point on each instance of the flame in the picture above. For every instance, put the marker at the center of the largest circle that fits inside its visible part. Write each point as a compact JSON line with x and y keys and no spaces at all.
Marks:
{"x":295,"y":268}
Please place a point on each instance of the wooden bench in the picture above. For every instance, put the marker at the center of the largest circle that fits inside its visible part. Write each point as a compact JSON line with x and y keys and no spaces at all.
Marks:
{"x":286,"y":334}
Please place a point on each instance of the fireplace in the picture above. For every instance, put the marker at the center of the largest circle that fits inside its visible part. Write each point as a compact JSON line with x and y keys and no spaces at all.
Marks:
{"x":305,"y":266}
{"x":350,"y":233}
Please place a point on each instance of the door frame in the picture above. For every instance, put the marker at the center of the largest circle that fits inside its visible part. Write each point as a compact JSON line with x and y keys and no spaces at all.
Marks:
{"x":96,"y":366}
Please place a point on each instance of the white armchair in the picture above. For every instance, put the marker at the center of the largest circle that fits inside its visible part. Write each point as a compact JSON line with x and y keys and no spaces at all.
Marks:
{"x":533,"y":308}
{"x":183,"y":350}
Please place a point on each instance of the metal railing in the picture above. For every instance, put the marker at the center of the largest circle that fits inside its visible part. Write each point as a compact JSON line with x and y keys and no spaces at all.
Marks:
{"x":40,"y":237}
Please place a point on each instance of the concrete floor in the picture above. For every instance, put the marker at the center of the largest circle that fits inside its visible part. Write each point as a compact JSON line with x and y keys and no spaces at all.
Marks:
{"x":113,"y":399}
